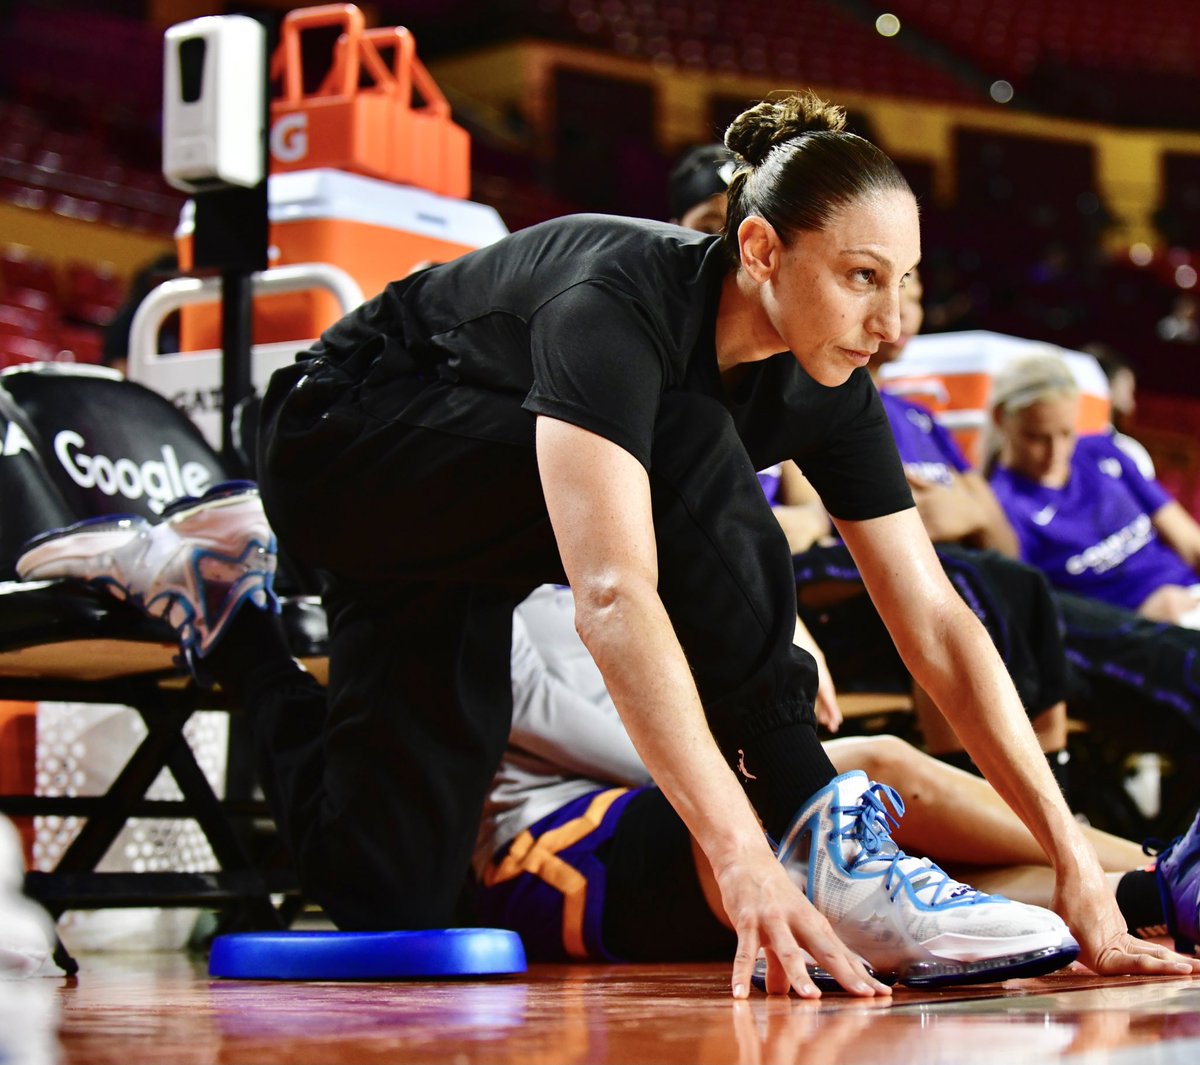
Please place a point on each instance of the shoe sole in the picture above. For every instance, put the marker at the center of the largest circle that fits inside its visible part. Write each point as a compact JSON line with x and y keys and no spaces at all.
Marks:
{"x":935,"y":974}
{"x":93,"y":536}
{"x":205,"y":518}
{"x":990,"y":970}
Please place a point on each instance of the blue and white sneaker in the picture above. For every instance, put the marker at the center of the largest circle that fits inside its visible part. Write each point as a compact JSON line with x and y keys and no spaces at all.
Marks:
{"x":1177,"y":871}
{"x":904,"y":916}
{"x":194,"y":569}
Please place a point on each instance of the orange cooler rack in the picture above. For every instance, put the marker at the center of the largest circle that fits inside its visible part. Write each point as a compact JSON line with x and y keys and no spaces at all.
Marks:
{"x":375,"y":129}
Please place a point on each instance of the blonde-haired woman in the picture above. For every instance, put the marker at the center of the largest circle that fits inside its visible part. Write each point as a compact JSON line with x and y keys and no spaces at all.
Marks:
{"x":1083,"y":511}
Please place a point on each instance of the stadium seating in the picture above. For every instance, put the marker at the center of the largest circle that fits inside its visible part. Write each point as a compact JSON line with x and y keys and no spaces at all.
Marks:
{"x":757,"y":38}
{"x":1107,"y":60}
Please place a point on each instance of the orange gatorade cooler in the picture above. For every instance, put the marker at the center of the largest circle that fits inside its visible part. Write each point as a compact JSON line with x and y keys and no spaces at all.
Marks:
{"x":368,"y":173}
{"x":375,"y":230}
{"x":368,"y":116}
{"x":952,"y":375}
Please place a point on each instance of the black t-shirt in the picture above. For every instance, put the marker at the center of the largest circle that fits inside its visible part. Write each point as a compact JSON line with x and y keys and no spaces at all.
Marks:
{"x":590,"y":319}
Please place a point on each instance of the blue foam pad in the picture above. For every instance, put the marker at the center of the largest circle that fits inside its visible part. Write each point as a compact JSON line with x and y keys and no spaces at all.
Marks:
{"x":443,"y":952}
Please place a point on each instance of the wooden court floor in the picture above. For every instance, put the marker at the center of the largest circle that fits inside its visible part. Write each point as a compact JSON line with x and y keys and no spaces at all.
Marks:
{"x":131,"y":1009}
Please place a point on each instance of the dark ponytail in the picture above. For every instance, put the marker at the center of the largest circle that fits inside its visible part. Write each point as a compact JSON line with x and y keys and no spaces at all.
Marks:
{"x":798,"y":165}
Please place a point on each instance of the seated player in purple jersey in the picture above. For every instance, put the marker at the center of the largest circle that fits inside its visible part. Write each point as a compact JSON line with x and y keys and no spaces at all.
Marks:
{"x":1082,"y":510}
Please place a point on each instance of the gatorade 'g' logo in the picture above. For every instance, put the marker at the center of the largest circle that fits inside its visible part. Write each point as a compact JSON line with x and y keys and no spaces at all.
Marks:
{"x":15,"y":441}
{"x":159,"y":481}
{"x":289,"y":138}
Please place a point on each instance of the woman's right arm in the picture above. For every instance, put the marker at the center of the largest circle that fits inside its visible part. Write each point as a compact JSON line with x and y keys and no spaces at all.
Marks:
{"x":598,"y":498}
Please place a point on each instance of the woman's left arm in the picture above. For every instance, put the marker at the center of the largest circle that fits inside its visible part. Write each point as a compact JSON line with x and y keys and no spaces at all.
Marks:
{"x":1180,"y":531}
{"x":951,"y":656}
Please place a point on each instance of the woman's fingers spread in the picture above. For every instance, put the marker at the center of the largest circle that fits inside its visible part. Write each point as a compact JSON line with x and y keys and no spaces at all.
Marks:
{"x":771,"y":915}
{"x":846,"y":967}
{"x":1135,"y":956}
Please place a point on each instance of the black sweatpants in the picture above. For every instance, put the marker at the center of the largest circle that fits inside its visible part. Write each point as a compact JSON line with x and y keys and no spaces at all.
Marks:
{"x":1147,"y":671}
{"x":429,"y":538}
{"x":654,"y":907}
{"x":1057,"y":646}
{"x":1014,"y":602}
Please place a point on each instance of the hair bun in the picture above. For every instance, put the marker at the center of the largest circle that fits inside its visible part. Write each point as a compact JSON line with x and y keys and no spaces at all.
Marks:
{"x":760,"y":128}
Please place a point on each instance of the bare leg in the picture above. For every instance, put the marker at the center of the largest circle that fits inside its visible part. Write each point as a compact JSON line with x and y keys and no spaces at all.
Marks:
{"x":957,"y":817}
{"x":1033,"y":884}
{"x":1024,"y":883}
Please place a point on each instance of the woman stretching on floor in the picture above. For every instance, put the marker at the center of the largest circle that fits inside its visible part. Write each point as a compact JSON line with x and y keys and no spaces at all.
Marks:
{"x":565,"y":403}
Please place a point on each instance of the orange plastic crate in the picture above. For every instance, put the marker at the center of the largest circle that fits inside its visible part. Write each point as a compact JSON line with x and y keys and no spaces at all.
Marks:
{"x":376,"y":129}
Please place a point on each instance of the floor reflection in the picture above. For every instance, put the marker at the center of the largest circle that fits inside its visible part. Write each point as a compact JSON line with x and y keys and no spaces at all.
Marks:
{"x":164,"y":1008}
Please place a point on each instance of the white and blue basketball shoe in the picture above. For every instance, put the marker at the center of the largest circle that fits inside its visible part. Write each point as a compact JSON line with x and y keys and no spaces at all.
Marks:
{"x":193,"y":569}
{"x":909,"y":920}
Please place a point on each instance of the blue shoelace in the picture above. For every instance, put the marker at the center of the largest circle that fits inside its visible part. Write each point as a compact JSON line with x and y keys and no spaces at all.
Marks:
{"x":869,"y":823}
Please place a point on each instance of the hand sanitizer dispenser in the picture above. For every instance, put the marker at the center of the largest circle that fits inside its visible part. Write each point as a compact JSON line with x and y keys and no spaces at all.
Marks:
{"x":214,"y":105}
